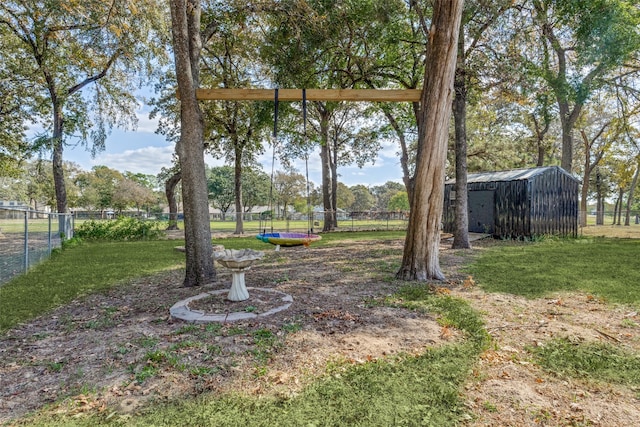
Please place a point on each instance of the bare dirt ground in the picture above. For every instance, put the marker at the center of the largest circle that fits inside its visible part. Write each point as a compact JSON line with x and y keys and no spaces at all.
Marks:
{"x":120,"y":350}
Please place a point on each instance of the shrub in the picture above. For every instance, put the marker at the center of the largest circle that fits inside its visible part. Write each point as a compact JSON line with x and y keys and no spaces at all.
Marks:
{"x":123,"y":228}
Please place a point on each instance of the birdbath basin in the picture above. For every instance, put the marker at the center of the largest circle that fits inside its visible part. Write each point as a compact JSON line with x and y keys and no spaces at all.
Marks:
{"x":238,"y":261}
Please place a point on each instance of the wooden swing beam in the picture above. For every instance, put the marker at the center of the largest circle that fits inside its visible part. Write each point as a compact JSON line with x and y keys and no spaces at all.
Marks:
{"x":371,"y":95}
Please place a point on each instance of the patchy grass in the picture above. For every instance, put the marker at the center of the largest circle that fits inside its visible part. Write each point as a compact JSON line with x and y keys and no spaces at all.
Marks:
{"x":81,"y":270}
{"x":591,"y":361}
{"x":453,"y":312}
{"x":88,"y":267}
{"x":407,"y":389}
{"x":620,"y":231}
{"x":603,"y":267}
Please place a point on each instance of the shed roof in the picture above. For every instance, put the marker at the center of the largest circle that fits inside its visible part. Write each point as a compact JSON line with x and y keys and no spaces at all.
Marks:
{"x":510,"y":175}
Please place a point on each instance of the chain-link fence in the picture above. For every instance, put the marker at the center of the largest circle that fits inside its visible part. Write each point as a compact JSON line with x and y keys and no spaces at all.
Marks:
{"x":296,"y":222}
{"x":590,"y":218}
{"x":28,"y":237}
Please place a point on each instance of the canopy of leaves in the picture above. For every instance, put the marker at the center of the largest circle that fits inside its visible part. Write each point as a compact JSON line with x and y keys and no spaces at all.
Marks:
{"x":220,"y":183}
{"x":606,"y":31}
{"x":255,"y":188}
{"x":61,"y":47}
{"x":363,"y":199}
{"x":33,"y":184}
{"x":399,"y":202}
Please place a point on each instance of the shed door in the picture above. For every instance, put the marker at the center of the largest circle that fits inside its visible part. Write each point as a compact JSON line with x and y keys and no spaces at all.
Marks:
{"x":481,"y":216}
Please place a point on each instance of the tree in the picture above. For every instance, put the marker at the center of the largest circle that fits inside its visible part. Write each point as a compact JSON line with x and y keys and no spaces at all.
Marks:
{"x":384,"y":193}
{"x":308,"y":47}
{"x":98,"y":188}
{"x":146,"y":193}
{"x":34,"y":184}
{"x":387,"y":51}
{"x":478,"y":16}
{"x":39,"y":184}
{"x":129,"y":192}
{"x":421,"y":250}
{"x":221,"y":186}
{"x":235,"y":129}
{"x":289,"y":187}
{"x":621,"y":175}
{"x":345,"y":196}
{"x":171,"y":179}
{"x":588,"y":41}
{"x":256,"y":185}
{"x":363,"y":199}
{"x":67,"y":48}
{"x":632,"y":188}
{"x":13,"y":114}
{"x":399,"y":202}
{"x":496,"y":140}
{"x":187,"y":47}
{"x":598,"y":131}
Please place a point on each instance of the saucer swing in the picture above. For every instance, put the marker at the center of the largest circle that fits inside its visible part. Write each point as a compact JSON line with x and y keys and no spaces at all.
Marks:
{"x":289,"y":239}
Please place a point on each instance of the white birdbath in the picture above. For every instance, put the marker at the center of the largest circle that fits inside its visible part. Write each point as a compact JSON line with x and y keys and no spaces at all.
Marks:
{"x":238,"y":261}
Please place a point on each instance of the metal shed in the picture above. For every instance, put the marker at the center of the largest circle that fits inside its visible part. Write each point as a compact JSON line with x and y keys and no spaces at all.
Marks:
{"x":518,"y":203}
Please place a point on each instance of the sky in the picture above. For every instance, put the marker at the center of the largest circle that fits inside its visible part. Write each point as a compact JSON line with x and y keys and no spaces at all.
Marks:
{"x":144,"y":151}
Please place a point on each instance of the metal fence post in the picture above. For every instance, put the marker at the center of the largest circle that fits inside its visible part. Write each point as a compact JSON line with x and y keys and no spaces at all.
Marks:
{"x":49,"y":235}
{"x":26,"y":240}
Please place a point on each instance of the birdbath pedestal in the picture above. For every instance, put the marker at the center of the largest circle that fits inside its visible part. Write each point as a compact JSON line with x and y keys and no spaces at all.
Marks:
{"x":238,"y":261}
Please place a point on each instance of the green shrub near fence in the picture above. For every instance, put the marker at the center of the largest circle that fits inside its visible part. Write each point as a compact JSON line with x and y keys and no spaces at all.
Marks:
{"x":123,"y":228}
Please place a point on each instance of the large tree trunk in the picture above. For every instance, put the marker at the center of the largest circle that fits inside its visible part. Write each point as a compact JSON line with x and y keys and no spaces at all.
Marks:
{"x":584,"y":190}
{"x":327,"y":184}
{"x":461,"y":230}
{"x":567,"y":145}
{"x":238,"y":189}
{"x":540,"y":135}
{"x":58,"y":148}
{"x":58,"y":168}
{"x":599,"y":199}
{"x":170,"y":192}
{"x":187,"y":45}
{"x":620,"y":195}
{"x":334,"y":186}
{"x":632,"y":189}
{"x":327,"y":198}
{"x":421,"y":250}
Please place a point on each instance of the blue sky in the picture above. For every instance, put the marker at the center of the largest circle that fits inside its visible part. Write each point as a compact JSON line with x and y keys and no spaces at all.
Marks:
{"x":143,"y":151}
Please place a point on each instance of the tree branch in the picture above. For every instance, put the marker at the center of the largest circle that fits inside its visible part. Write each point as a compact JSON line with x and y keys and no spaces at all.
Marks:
{"x":95,"y":77}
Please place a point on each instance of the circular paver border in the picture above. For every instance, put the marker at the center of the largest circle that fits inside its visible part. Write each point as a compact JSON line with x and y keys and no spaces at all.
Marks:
{"x":181,"y":310}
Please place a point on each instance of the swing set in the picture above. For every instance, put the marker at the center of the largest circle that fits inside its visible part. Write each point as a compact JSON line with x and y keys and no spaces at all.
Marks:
{"x":372,"y":95}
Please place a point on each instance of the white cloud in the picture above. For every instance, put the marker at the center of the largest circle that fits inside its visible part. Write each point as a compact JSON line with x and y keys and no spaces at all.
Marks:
{"x":146,"y":160}
{"x":389,"y":149}
{"x":145,"y":124}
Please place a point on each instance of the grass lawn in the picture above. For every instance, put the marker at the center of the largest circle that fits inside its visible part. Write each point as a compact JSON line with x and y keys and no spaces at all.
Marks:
{"x":96,"y":266}
{"x":406,"y":389}
{"x":74,"y":272}
{"x":607,"y":268}
{"x":603,"y":267}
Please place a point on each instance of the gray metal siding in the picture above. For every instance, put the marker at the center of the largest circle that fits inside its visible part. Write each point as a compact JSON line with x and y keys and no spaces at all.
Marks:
{"x":534,"y":202}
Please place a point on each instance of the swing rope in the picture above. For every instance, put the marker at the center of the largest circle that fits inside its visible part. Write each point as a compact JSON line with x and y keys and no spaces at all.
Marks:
{"x":273,"y":158}
{"x":288,"y":239}
{"x":306,"y":162}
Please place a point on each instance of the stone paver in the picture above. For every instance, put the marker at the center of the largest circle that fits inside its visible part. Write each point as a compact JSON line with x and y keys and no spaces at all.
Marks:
{"x":181,"y":310}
